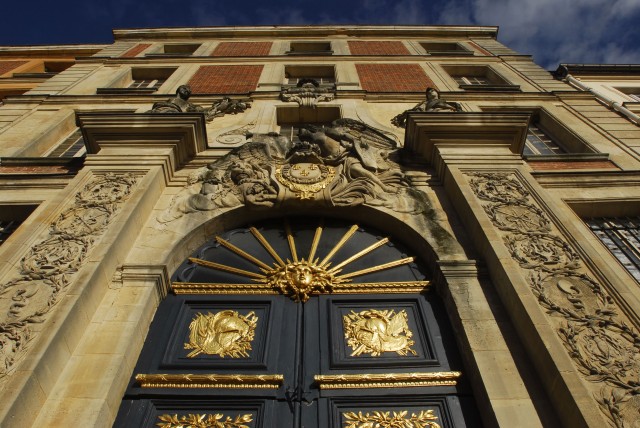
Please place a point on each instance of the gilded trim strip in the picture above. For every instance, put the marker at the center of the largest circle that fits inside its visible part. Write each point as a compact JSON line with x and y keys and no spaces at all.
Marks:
{"x":386,"y":380}
{"x":234,"y":381}
{"x":345,"y":288}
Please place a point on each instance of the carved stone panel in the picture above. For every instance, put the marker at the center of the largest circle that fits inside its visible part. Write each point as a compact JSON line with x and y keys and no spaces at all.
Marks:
{"x":47,"y":270}
{"x":601,"y":342}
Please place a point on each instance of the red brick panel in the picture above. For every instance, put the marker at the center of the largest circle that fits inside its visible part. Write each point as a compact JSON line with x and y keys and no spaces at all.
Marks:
{"x":134,"y":51}
{"x":377,"y":48}
{"x":7,"y":66}
{"x":558,"y":165}
{"x":393,"y":77}
{"x":225,"y":79}
{"x":242,"y":49}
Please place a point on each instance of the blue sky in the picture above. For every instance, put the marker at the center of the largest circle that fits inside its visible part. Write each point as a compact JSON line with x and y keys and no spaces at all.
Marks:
{"x":553,"y":31}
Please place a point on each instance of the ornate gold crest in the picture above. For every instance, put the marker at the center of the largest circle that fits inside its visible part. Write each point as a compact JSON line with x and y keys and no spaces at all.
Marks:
{"x":305,"y":178}
{"x":226,"y":333}
{"x":374,"y":332}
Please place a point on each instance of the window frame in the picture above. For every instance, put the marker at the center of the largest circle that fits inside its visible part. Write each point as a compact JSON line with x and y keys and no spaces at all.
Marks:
{"x":191,"y":49}
{"x":496,"y":82}
{"x":69,"y":146}
{"x":13,"y":213}
{"x":609,"y":230}
{"x":459,"y":50}
{"x":632,"y":92}
{"x":123,"y":83}
{"x":306,"y":71}
{"x":310,"y":52}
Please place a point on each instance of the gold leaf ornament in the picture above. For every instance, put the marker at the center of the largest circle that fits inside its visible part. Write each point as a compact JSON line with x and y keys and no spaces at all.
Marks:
{"x":203,"y":421}
{"x":379,"y":419}
{"x":225,"y":333}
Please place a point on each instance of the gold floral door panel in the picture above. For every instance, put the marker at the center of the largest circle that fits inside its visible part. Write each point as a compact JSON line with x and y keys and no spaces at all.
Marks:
{"x":302,"y":323}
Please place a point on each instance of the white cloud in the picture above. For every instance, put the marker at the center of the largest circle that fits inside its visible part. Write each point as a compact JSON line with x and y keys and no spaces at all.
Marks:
{"x":557,"y":31}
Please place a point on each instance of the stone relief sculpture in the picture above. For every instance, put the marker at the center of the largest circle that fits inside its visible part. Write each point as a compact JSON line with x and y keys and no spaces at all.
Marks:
{"x":45,"y":272}
{"x":307,"y":93}
{"x":603,"y":346}
{"x":348,"y":163}
{"x":181,"y":104}
{"x":433,"y":103}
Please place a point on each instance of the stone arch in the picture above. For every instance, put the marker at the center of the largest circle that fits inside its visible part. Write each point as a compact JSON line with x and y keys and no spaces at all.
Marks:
{"x":421,"y":233}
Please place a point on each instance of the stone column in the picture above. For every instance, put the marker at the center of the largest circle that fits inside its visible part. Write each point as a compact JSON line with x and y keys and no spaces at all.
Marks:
{"x":569,"y":325}
{"x":63,"y":281}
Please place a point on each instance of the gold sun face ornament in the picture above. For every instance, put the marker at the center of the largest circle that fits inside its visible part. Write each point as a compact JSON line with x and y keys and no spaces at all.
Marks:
{"x":301,"y":277}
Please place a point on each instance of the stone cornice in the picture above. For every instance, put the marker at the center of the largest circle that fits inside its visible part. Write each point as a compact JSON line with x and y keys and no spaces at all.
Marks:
{"x":128,"y":133}
{"x":270,"y":31}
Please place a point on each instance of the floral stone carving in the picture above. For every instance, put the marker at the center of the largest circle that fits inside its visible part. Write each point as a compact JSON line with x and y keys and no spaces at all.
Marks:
{"x":605,"y":349}
{"x":46,"y":271}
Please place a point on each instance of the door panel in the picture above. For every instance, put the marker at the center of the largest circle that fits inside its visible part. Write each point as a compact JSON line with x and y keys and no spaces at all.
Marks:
{"x":378,"y":332}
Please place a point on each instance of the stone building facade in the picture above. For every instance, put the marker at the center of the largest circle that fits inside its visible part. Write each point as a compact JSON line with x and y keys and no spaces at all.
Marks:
{"x":281,"y":226}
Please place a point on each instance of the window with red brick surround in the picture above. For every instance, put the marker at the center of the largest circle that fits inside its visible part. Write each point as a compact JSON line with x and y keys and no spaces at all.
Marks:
{"x":393,"y":78}
{"x":225,"y":79}
{"x":242,"y":49}
{"x":134,"y":51}
{"x":7,"y":66}
{"x":377,"y":48}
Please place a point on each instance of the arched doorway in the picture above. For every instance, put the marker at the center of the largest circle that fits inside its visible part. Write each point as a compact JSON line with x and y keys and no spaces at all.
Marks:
{"x":299,"y":323}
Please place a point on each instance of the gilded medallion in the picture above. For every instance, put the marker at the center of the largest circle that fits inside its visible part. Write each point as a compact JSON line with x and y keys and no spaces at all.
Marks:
{"x":305,"y":178}
{"x":376,"y":331}
{"x":225,"y":333}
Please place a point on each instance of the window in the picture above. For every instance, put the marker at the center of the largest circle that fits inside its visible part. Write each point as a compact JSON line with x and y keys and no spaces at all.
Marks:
{"x":540,"y":143}
{"x":445,"y":49}
{"x":547,"y":136}
{"x":45,"y":69}
{"x":181,"y":49}
{"x":72,"y":146}
{"x":140,"y":80}
{"x":482,"y":78}
{"x":310,"y":48}
{"x":324,"y":75}
{"x":146,"y":83}
{"x":621,"y":235}
{"x":327,"y":80}
{"x":7,"y":228}
{"x":471,"y":80}
{"x":631,"y":92}
{"x":12,"y":216}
